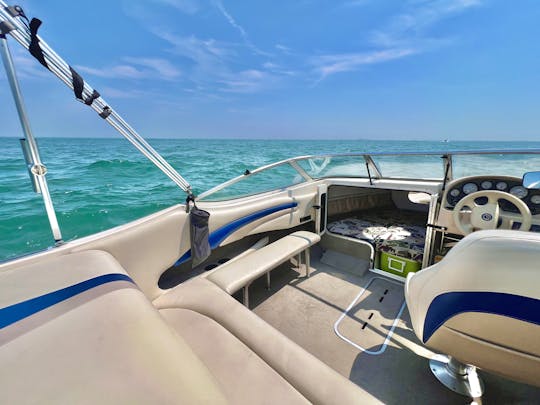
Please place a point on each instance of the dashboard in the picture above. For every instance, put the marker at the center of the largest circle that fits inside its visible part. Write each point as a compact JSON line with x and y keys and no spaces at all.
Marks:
{"x":458,"y":189}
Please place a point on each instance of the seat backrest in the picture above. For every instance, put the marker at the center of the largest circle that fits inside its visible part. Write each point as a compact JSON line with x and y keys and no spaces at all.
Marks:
{"x":481,"y":303}
{"x":76,"y":329}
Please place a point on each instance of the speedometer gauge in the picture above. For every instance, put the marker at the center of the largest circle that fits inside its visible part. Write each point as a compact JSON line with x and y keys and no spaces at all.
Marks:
{"x":501,"y":185}
{"x":486,"y":185}
{"x":470,"y":188}
{"x":519,"y":191}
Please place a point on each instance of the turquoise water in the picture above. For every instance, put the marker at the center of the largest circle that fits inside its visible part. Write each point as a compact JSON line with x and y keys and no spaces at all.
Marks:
{"x":100,"y":183}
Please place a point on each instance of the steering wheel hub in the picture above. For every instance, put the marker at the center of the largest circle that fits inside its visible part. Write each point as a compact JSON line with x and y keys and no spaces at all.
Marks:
{"x":486,"y":216}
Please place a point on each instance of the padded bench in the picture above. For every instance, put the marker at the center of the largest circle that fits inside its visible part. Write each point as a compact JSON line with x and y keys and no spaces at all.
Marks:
{"x":91,"y":336}
{"x":236,"y":274}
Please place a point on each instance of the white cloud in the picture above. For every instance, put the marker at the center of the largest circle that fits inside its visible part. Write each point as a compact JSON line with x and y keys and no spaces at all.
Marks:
{"x":248,"y":81}
{"x":185,"y":6}
{"x":207,"y":56}
{"x":238,"y":27}
{"x":231,"y":19}
{"x":326,"y":65}
{"x":406,"y":34}
{"x":212,"y":66}
{"x":411,"y":25}
{"x":162,"y":67}
{"x":136,"y":68}
{"x":283,"y":48}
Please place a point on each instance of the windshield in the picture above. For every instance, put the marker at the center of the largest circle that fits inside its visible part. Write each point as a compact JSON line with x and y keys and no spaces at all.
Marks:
{"x":274,"y":178}
{"x":428,"y":166}
{"x":498,"y":164}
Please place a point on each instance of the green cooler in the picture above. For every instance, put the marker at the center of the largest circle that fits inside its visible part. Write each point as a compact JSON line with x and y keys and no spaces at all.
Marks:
{"x":400,"y":256}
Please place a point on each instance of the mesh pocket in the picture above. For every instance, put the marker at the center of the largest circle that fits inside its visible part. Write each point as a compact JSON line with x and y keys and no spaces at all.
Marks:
{"x":200,"y":247}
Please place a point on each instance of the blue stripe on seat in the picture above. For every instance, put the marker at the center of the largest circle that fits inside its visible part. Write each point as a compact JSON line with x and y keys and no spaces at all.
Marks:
{"x":21,"y":310}
{"x":219,"y":235}
{"x":447,"y":305}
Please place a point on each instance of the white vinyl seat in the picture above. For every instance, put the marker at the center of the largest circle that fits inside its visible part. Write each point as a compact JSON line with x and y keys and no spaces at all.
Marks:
{"x":240,"y":273}
{"x":481,"y":303}
{"x":76,"y":329}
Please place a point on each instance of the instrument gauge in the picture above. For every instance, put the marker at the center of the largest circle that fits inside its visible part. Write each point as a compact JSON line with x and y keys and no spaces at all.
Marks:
{"x":486,"y":185}
{"x":501,"y":186}
{"x":470,"y":188}
{"x":455,"y":192}
{"x":535,"y":199}
{"x":519,"y":191}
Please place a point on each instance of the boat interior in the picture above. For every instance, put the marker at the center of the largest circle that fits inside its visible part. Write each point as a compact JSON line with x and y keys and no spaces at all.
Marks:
{"x":332,"y":279}
{"x":318,"y":292}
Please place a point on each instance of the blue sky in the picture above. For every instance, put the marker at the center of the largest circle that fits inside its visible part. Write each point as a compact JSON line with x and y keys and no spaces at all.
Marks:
{"x":351,"y":69}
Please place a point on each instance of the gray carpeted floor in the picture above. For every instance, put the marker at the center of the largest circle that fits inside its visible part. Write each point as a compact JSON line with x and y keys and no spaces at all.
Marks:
{"x":306,"y":309}
{"x":370,"y":318}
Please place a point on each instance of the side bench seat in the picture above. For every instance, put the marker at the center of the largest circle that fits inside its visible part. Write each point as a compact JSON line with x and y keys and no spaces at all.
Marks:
{"x":212,"y":309}
{"x":237,"y":274}
{"x":107,"y":343}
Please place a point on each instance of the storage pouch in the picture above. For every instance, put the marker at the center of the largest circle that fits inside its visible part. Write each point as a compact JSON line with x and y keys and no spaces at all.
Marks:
{"x":200,"y":247}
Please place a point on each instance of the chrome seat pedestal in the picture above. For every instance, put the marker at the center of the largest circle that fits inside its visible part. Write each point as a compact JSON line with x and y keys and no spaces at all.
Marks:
{"x":456,"y":376}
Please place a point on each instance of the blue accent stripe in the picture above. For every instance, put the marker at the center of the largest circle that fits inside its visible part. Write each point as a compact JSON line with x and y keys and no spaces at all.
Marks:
{"x":21,"y":310}
{"x":222,"y":233}
{"x":219,"y":235}
{"x":447,"y":305}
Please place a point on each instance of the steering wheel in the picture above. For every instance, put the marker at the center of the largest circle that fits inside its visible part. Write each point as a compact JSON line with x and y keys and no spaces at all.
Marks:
{"x":487,"y":216}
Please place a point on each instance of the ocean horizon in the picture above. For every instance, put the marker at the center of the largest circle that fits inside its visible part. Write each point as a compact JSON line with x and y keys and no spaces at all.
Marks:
{"x":98,"y":183}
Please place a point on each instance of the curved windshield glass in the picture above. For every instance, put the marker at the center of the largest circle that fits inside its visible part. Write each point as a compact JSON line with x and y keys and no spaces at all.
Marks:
{"x":334,"y":166}
{"x":274,"y":178}
{"x":410,"y":166}
{"x":497,"y":164}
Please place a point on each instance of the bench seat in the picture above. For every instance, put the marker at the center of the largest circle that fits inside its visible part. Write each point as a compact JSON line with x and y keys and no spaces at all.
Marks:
{"x":107,"y":343}
{"x":212,"y":307}
{"x":237,"y":274}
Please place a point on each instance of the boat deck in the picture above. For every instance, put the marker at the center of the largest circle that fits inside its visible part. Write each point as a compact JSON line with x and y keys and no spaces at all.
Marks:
{"x":306,"y":310}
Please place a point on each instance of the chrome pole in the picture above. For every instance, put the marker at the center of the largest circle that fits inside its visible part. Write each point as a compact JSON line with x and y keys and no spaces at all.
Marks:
{"x":61,"y":69}
{"x":36,"y":167}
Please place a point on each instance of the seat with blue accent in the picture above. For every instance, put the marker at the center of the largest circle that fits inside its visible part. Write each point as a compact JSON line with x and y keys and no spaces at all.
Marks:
{"x":75,"y":328}
{"x":481,"y":306}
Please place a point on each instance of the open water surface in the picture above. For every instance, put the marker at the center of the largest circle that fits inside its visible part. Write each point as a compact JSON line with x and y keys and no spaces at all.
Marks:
{"x":99,"y":183}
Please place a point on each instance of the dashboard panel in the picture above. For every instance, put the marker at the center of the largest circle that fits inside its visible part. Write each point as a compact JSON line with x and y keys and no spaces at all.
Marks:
{"x":460,"y":188}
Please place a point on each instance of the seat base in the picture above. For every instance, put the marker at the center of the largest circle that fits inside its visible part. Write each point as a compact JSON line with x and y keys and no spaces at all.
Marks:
{"x":456,"y":376}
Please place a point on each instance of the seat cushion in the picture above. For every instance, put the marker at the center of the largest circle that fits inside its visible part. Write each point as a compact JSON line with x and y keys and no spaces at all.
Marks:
{"x":358,"y":229}
{"x":308,"y":375}
{"x":106,"y":344}
{"x":243,"y":376}
{"x":235,"y":274}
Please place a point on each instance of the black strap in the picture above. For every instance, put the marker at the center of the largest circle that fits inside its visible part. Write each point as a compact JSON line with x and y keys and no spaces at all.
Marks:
{"x":89,"y":100}
{"x":35,"y":48}
{"x":190,"y":199}
{"x":106,"y":112}
{"x":78,"y":83}
{"x":78,"y":88}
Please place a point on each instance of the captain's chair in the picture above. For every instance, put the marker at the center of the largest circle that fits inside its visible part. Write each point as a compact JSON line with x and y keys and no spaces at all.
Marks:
{"x":481,"y":306}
